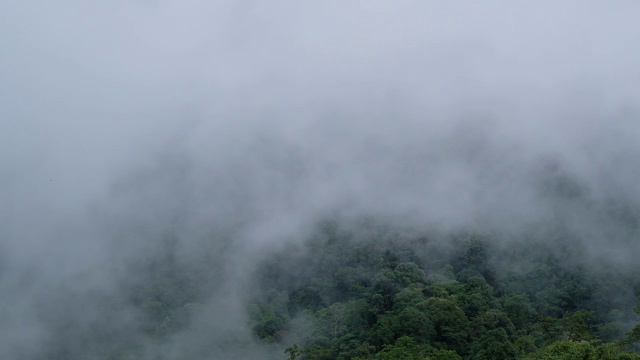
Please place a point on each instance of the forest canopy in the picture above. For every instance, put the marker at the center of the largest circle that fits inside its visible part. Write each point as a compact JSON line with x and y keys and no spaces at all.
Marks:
{"x":371,"y":290}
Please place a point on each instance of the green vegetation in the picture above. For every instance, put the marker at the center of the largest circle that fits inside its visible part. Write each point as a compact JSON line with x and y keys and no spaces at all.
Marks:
{"x":376,"y":294}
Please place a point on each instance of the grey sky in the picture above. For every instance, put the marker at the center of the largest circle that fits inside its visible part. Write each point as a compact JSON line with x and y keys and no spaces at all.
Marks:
{"x":117,"y":115}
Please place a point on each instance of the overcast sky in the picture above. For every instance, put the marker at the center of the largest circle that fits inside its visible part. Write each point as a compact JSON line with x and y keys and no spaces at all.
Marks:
{"x":117,"y":115}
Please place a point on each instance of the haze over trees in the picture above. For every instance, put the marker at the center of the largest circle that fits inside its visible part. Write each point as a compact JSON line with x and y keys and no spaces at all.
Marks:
{"x":362,"y":180}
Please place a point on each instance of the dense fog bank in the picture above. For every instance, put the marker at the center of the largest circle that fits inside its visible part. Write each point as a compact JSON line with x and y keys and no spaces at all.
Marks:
{"x":147,"y":146}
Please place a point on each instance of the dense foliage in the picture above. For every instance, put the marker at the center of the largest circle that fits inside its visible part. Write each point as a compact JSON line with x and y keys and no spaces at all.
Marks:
{"x":369,"y":292}
{"x":378,"y":293}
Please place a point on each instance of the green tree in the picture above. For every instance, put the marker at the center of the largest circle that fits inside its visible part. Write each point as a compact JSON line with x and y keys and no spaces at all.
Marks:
{"x":577,"y":325}
{"x":405,"y":348}
{"x":519,"y":309}
{"x":634,"y":335}
{"x":568,"y":350}
{"x":493,"y":345}
{"x":450,"y":324}
{"x":293,"y":352}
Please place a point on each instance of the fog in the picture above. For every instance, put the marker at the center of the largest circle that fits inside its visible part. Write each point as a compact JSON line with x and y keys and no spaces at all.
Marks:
{"x":124,"y":121}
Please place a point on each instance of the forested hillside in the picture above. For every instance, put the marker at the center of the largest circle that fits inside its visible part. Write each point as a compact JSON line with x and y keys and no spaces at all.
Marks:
{"x":401,"y":296}
{"x":319,"y":180}
{"x":376,"y":291}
